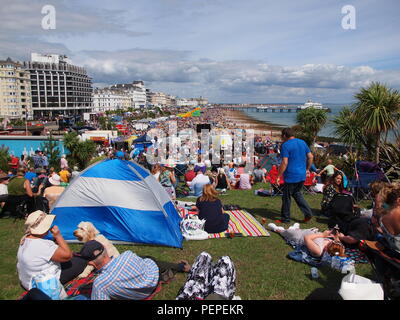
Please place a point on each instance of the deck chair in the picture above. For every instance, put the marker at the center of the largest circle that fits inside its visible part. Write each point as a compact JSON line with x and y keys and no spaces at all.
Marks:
{"x":360,"y":187}
{"x":366,"y":172}
{"x":272,"y":178}
{"x":180,"y":170}
{"x":17,"y":207}
{"x":386,"y":266}
{"x":310,"y":183}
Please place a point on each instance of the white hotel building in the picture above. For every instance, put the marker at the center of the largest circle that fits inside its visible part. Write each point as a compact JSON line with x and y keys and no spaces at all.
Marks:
{"x":110,"y":100}
{"x":136,"y":90}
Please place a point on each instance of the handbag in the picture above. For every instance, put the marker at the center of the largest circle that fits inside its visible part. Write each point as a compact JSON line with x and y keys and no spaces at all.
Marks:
{"x":192,"y":228}
{"x":49,"y":283}
{"x":355,"y":287}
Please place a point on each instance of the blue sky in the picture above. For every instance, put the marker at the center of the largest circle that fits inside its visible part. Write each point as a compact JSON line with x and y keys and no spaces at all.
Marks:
{"x":243,"y":51}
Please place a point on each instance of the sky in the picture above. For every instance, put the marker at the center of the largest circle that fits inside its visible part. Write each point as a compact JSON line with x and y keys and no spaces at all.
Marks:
{"x":229,"y":51}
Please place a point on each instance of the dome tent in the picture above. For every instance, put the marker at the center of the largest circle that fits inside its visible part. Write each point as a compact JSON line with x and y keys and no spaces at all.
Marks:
{"x":124,"y":202}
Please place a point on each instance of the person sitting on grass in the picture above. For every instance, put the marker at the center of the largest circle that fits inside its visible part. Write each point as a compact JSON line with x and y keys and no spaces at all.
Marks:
{"x":210,"y":208}
{"x":379,"y":189}
{"x":167,"y":179}
{"x":222,"y":183}
{"x":197,"y":184}
{"x":128,"y":276}
{"x":51,"y":190}
{"x":246,"y":181}
{"x":65,"y":174}
{"x":190,"y":174}
{"x":317,"y":243}
{"x":19,"y":189}
{"x":333,"y":186}
{"x":259,"y":174}
{"x":389,"y":221}
{"x":36,"y":254}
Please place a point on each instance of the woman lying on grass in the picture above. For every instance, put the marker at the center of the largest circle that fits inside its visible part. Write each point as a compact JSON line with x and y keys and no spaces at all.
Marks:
{"x":316,"y":242}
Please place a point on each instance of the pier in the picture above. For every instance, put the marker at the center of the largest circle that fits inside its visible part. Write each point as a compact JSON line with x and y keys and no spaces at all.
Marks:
{"x":265,"y":108}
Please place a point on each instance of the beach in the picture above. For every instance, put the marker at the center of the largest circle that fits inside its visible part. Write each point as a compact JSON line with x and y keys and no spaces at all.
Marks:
{"x":242,"y":121}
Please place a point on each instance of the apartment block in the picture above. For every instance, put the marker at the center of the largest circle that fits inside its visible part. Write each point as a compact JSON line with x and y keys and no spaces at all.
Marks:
{"x":58,"y":87}
{"x":15,"y":91}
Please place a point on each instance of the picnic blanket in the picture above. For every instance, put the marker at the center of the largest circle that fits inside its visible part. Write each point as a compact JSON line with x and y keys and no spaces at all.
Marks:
{"x":80,"y":286}
{"x":357,"y":255}
{"x":301,"y":254}
{"x":83,"y":286}
{"x":241,"y":223}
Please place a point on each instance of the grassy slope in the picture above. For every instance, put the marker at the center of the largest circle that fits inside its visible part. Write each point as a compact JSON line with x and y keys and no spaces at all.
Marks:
{"x":263,"y":270}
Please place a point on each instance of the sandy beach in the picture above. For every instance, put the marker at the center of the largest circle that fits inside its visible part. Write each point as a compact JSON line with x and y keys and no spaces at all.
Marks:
{"x":243,"y":121}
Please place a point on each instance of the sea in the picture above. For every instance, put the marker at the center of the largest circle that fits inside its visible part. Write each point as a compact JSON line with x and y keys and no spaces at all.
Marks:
{"x":288,"y":119}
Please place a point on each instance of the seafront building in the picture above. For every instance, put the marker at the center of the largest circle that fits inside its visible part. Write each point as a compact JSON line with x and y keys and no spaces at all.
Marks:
{"x":191,"y":102}
{"x":15,"y":91}
{"x":110,"y":100}
{"x":160,"y":99}
{"x":136,"y":91}
{"x":58,"y":87}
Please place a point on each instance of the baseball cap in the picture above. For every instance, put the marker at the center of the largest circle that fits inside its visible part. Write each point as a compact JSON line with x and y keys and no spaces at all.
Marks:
{"x":91,"y":250}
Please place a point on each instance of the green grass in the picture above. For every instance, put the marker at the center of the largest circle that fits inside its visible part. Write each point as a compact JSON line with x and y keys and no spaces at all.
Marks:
{"x":263,"y":270}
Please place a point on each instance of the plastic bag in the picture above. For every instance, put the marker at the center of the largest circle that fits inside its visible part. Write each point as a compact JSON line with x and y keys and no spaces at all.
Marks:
{"x":49,"y":283}
{"x":192,"y":228}
{"x":355,"y":287}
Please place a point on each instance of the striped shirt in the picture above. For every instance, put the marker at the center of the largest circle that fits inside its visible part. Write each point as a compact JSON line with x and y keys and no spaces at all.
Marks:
{"x":126,"y":277}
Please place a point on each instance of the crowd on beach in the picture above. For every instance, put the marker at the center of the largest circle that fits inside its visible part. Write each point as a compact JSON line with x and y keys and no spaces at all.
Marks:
{"x":139,"y":277}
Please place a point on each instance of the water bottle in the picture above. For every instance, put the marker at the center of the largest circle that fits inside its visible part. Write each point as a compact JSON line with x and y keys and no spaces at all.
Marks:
{"x":348,"y":268}
{"x":314,"y":273}
{"x":335,"y":264}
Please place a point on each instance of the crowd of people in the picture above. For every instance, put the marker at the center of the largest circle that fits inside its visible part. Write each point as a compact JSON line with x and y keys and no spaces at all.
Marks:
{"x":129,"y":276}
{"x":34,"y":184}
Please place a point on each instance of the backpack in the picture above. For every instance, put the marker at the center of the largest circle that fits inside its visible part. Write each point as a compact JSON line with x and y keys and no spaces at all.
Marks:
{"x":341,"y":210}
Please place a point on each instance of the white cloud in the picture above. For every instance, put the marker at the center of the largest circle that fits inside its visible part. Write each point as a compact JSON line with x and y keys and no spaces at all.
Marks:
{"x":252,"y":78}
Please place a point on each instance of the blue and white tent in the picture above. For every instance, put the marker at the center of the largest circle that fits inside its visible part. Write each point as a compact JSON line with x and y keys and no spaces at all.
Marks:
{"x":124,"y":202}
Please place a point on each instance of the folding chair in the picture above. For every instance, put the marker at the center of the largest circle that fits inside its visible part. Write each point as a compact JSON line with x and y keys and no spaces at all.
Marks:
{"x":309,"y":183}
{"x":17,"y":207}
{"x":360,"y":187}
{"x":386,"y":266}
{"x":272,"y":178}
{"x":180,"y":170}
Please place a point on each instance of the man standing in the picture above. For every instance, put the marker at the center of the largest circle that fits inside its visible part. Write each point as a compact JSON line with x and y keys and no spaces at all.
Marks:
{"x":296,"y":161}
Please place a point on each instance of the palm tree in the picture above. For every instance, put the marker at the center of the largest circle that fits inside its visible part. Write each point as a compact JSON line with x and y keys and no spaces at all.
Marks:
{"x":347,"y":128}
{"x":378,"y":111}
{"x":51,"y":146}
{"x":311,"y":120}
{"x":4,"y":158}
{"x":81,"y":152}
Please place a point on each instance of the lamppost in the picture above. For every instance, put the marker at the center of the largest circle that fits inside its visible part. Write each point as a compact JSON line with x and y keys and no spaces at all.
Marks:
{"x":26,"y":120}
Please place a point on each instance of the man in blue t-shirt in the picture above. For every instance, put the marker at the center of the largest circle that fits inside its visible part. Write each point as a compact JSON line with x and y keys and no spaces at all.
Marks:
{"x":296,"y":161}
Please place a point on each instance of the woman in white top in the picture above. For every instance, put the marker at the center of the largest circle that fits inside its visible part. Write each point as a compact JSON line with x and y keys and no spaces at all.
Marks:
{"x":3,"y":188}
{"x":316,"y":242}
{"x":36,"y":254}
{"x":156,"y":170}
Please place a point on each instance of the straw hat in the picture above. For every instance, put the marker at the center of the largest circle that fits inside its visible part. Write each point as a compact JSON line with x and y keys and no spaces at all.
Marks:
{"x":39,"y":222}
{"x":170,"y":164}
{"x":3,"y":176}
{"x":55,"y":180}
